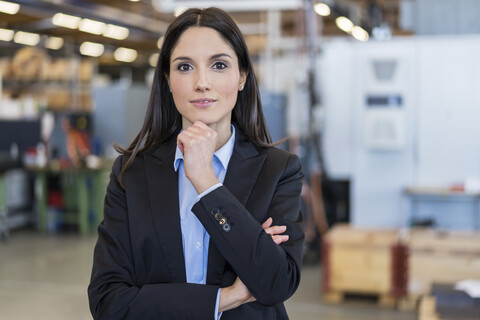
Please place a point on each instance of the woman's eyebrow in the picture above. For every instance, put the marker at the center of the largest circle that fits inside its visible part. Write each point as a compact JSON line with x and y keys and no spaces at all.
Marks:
{"x":220,"y":55}
{"x":215,"y":56}
{"x":182,"y":58}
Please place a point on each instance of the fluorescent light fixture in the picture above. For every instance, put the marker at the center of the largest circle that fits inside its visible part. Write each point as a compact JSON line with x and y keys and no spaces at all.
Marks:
{"x":54,"y":43}
{"x":6,"y":34}
{"x":153,"y":59}
{"x":322,"y":9}
{"x":134,"y":0}
{"x":27,"y":38}
{"x":160,"y":42}
{"x":116,"y":32}
{"x":92,"y":49}
{"x":359,"y":33}
{"x":91,"y":26}
{"x":230,"y":5}
{"x":344,"y":24}
{"x":178,"y":11}
{"x":66,"y":21}
{"x":125,"y":54}
{"x":9,"y":7}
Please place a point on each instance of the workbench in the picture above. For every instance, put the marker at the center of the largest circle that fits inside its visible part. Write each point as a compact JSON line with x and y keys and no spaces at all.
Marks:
{"x":85,"y":189}
{"x":415,"y":195}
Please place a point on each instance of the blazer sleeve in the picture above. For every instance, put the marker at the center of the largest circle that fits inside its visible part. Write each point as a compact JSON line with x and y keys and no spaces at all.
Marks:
{"x":271,"y":272}
{"x":114,"y":292}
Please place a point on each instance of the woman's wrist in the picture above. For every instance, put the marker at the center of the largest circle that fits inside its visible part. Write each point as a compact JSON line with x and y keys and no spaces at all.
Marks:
{"x":226,"y":300}
{"x":231,"y":298}
{"x":204,"y":182}
{"x":234,"y":296}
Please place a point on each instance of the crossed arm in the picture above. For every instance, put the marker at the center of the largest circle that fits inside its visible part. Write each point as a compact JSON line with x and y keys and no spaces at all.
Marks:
{"x":238,"y":294}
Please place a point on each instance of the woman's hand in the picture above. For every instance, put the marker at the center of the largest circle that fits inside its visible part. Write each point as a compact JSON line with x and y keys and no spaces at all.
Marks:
{"x":197,"y":144}
{"x":275,"y":231}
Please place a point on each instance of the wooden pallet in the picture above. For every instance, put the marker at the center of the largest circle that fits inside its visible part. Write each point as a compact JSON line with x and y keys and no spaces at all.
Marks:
{"x":409,"y":303}
{"x":426,"y":309}
{"x":383,"y":300}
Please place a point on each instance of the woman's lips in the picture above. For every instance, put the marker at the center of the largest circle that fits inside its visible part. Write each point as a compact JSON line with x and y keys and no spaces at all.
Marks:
{"x":203,"y":102}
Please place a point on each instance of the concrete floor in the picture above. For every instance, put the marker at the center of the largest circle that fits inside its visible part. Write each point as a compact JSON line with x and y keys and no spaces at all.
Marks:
{"x":46,"y":277}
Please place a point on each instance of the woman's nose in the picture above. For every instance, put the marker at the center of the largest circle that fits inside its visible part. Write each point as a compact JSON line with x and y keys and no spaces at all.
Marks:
{"x":202,"y":81}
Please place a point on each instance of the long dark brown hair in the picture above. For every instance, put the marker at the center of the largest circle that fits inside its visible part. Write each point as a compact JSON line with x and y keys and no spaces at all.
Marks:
{"x":162,"y":119}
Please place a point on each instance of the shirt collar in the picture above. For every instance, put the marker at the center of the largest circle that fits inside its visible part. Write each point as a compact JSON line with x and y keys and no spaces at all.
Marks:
{"x":223,"y":154}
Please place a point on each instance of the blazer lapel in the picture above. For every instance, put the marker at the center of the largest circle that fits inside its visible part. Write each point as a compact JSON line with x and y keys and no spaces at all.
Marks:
{"x":162,"y":182}
{"x":242,"y":173}
{"x":243,"y":169}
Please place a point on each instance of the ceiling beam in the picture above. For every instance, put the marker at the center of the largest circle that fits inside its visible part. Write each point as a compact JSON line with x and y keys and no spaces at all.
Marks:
{"x":95,"y":11}
{"x":231,"y":5}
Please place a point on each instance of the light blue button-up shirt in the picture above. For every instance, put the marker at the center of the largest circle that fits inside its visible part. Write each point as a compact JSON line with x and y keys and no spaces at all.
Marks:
{"x":195,"y":238}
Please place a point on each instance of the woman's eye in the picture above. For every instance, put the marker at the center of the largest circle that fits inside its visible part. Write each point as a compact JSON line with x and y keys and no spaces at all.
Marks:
{"x":184,"y":67}
{"x":219,"y":65}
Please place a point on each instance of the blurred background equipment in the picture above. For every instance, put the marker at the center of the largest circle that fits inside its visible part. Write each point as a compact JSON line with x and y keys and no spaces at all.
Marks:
{"x":27,"y":134}
{"x":77,"y":139}
{"x":16,"y":199}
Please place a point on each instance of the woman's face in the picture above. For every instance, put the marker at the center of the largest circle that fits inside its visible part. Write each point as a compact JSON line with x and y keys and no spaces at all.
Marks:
{"x":204,"y":77}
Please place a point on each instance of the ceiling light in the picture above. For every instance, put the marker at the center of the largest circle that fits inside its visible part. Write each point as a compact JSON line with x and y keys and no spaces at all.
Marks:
{"x":359,"y":33}
{"x":30,"y":39}
{"x":344,"y":24}
{"x":153,"y":59}
{"x":134,"y":0}
{"x":92,"y":49}
{"x":54,"y":43}
{"x":125,"y":55}
{"x":116,"y":32}
{"x":160,"y":42}
{"x":322,"y":9}
{"x":6,"y":34}
{"x":91,"y":26}
{"x":179,"y":11}
{"x":382,"y":33}
{"x":65,"y":20}
{"x":9,"y":7}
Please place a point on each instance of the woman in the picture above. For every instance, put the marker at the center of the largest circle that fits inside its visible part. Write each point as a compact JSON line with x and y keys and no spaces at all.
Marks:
{"x":182,"y":236}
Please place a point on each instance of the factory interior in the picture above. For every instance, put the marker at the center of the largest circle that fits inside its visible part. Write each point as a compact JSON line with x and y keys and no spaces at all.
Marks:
{"x":379,"y":99}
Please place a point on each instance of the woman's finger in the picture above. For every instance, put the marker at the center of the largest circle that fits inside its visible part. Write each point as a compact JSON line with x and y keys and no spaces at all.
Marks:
{"x":280,"y":239}
{"x":267,"y":223}
{"x":276,"y":230}
{"x":200,"y":124}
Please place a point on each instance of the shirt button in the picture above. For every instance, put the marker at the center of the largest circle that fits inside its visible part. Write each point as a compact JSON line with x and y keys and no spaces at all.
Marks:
{"x":198,"y":244}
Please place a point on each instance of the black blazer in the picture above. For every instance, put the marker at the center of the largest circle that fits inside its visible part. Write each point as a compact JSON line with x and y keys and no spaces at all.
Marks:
{"x":139,"y":269}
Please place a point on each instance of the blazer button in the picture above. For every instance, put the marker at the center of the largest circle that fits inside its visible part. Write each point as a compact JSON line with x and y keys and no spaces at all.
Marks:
{"x":214,"y":211}
{"x":222,"y":221}
{"x":219,"y":216}
{"x":226,"y":227}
